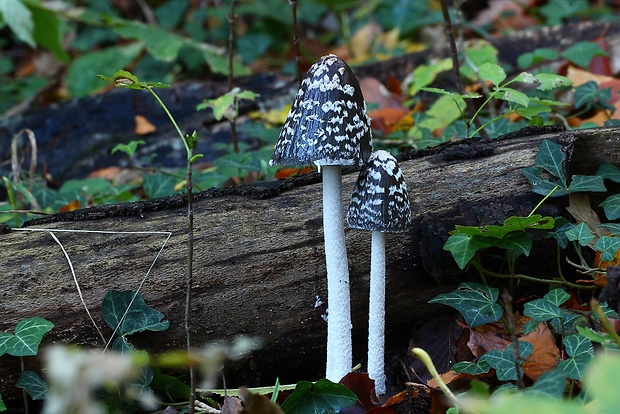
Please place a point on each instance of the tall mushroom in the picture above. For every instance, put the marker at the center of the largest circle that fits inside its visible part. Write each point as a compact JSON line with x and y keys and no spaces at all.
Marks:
{"x":379,"y":203}
{"x":328,"y":126}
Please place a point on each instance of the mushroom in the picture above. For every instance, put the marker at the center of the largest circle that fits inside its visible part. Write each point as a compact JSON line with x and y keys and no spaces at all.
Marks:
{"x":328,"y":126}
{"x":379,"y":203}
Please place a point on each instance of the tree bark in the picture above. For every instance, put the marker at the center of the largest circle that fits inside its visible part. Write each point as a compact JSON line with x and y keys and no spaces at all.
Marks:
{"x":259,"y":260}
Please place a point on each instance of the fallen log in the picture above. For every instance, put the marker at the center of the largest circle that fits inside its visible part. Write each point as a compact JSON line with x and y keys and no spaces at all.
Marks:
{"x":259,"y":263}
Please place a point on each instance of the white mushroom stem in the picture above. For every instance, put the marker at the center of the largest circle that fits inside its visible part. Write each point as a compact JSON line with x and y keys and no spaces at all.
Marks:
{"x":339,"y":346}
{"x":376,"y":319}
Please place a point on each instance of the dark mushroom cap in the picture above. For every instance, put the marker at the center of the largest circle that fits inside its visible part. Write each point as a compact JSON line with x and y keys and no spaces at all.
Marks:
{"x":327,"y":123}
{"x":380,"y":201}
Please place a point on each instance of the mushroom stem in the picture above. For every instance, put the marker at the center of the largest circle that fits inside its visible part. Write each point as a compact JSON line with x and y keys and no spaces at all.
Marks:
{"x":376,"y":320}
{"x":339,"y":345}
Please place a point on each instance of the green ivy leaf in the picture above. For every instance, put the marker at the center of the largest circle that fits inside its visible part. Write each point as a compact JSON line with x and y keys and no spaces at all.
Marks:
{"x":551,"y":158}
{"x":541,"y":310}
{"x":511,"y":225}
{"x":492,"y":72}
{"x":542,"y":186}
{"x":557,"y":296}
{"x":159,"y":185}
{"x":550,"y":384}
{"x":515,"y":243}
{"x":139,"y":318}
{"x":589,"y":96}
{"x":323,"y":396}
{"x":472,"y":368}
{"x":2,"y":405}
{"x":608,"y":246}
{"x":613,"y":228}
{"x":28,"y":335}
{"x":580,"y":350}
{"x":33,"y":384}
{"x":582,"y":183}
{"x":581,"y":53}
{"x":530,"y":326}
{"x":19,"y":19}
{"x":611,"y":206}
{"x":464,"y":247}
{"x":581,"y":233}
{"x":477,"y":303}
{"x":604,"y":339}
{"x":610,"y":172}
{"x":503,"y":360}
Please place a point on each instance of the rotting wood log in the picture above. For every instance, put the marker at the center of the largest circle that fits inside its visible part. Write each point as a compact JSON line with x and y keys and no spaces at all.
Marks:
{"x":259,"y":264}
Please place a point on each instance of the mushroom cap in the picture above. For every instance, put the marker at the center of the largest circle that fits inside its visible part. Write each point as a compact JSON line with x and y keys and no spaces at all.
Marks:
{"x":380,"y":201}
{"x":327,"y":123}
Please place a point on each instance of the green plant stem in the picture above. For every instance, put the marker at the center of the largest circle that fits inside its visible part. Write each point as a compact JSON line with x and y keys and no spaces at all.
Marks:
{"x":611,"y":331}
{"x":531,"y":278}
{"x":161,"y":103}
{"x":11,"y":194}
{"x":188,"y":292}
{"x":428,"y":363}
{"x":24,"y":395}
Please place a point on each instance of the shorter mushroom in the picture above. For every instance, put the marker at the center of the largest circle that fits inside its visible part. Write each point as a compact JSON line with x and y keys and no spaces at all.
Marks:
{"x":380,"y":203}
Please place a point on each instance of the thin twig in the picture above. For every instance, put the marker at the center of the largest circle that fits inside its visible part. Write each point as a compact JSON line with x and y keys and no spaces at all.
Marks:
{"x":231,"y":51}
{"x":456,"y":66}
{"x":507,"y":300}
{"x":293,"y":4}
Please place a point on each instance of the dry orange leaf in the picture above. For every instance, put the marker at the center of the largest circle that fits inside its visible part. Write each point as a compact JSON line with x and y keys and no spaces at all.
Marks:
{"x":107,"y":173}
{"x":546,"y":354}
{"x":386,"y":119}
{"x":72,"y":205}
{"x":288,"y":172}
{"x":447,"y":377}
{"x":143,"y":126}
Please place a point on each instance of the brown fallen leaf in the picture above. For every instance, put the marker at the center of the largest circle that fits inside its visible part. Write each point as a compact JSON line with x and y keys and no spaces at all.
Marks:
{"x":143,"y":126}
{"x":545,"y":355}
{"x":257,"y":404}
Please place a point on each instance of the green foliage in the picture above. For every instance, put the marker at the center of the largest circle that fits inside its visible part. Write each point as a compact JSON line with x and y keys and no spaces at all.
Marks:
{"x":477,"y":303}
{"x":322,"y":396}
{"x":26,"y":339}
{"x":589,"y":96}
{"x":503,"y":361}
{"x":518,"y":102}
{"x":465,"y":241}
{"x":582,"y":53}
{"x":127,"y":313}
{"x":130,"y":148}
{"x":580,"y":351}
{"x":33,"y":384}
{"x":227,"y":105}
{"x":550,"y":159}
